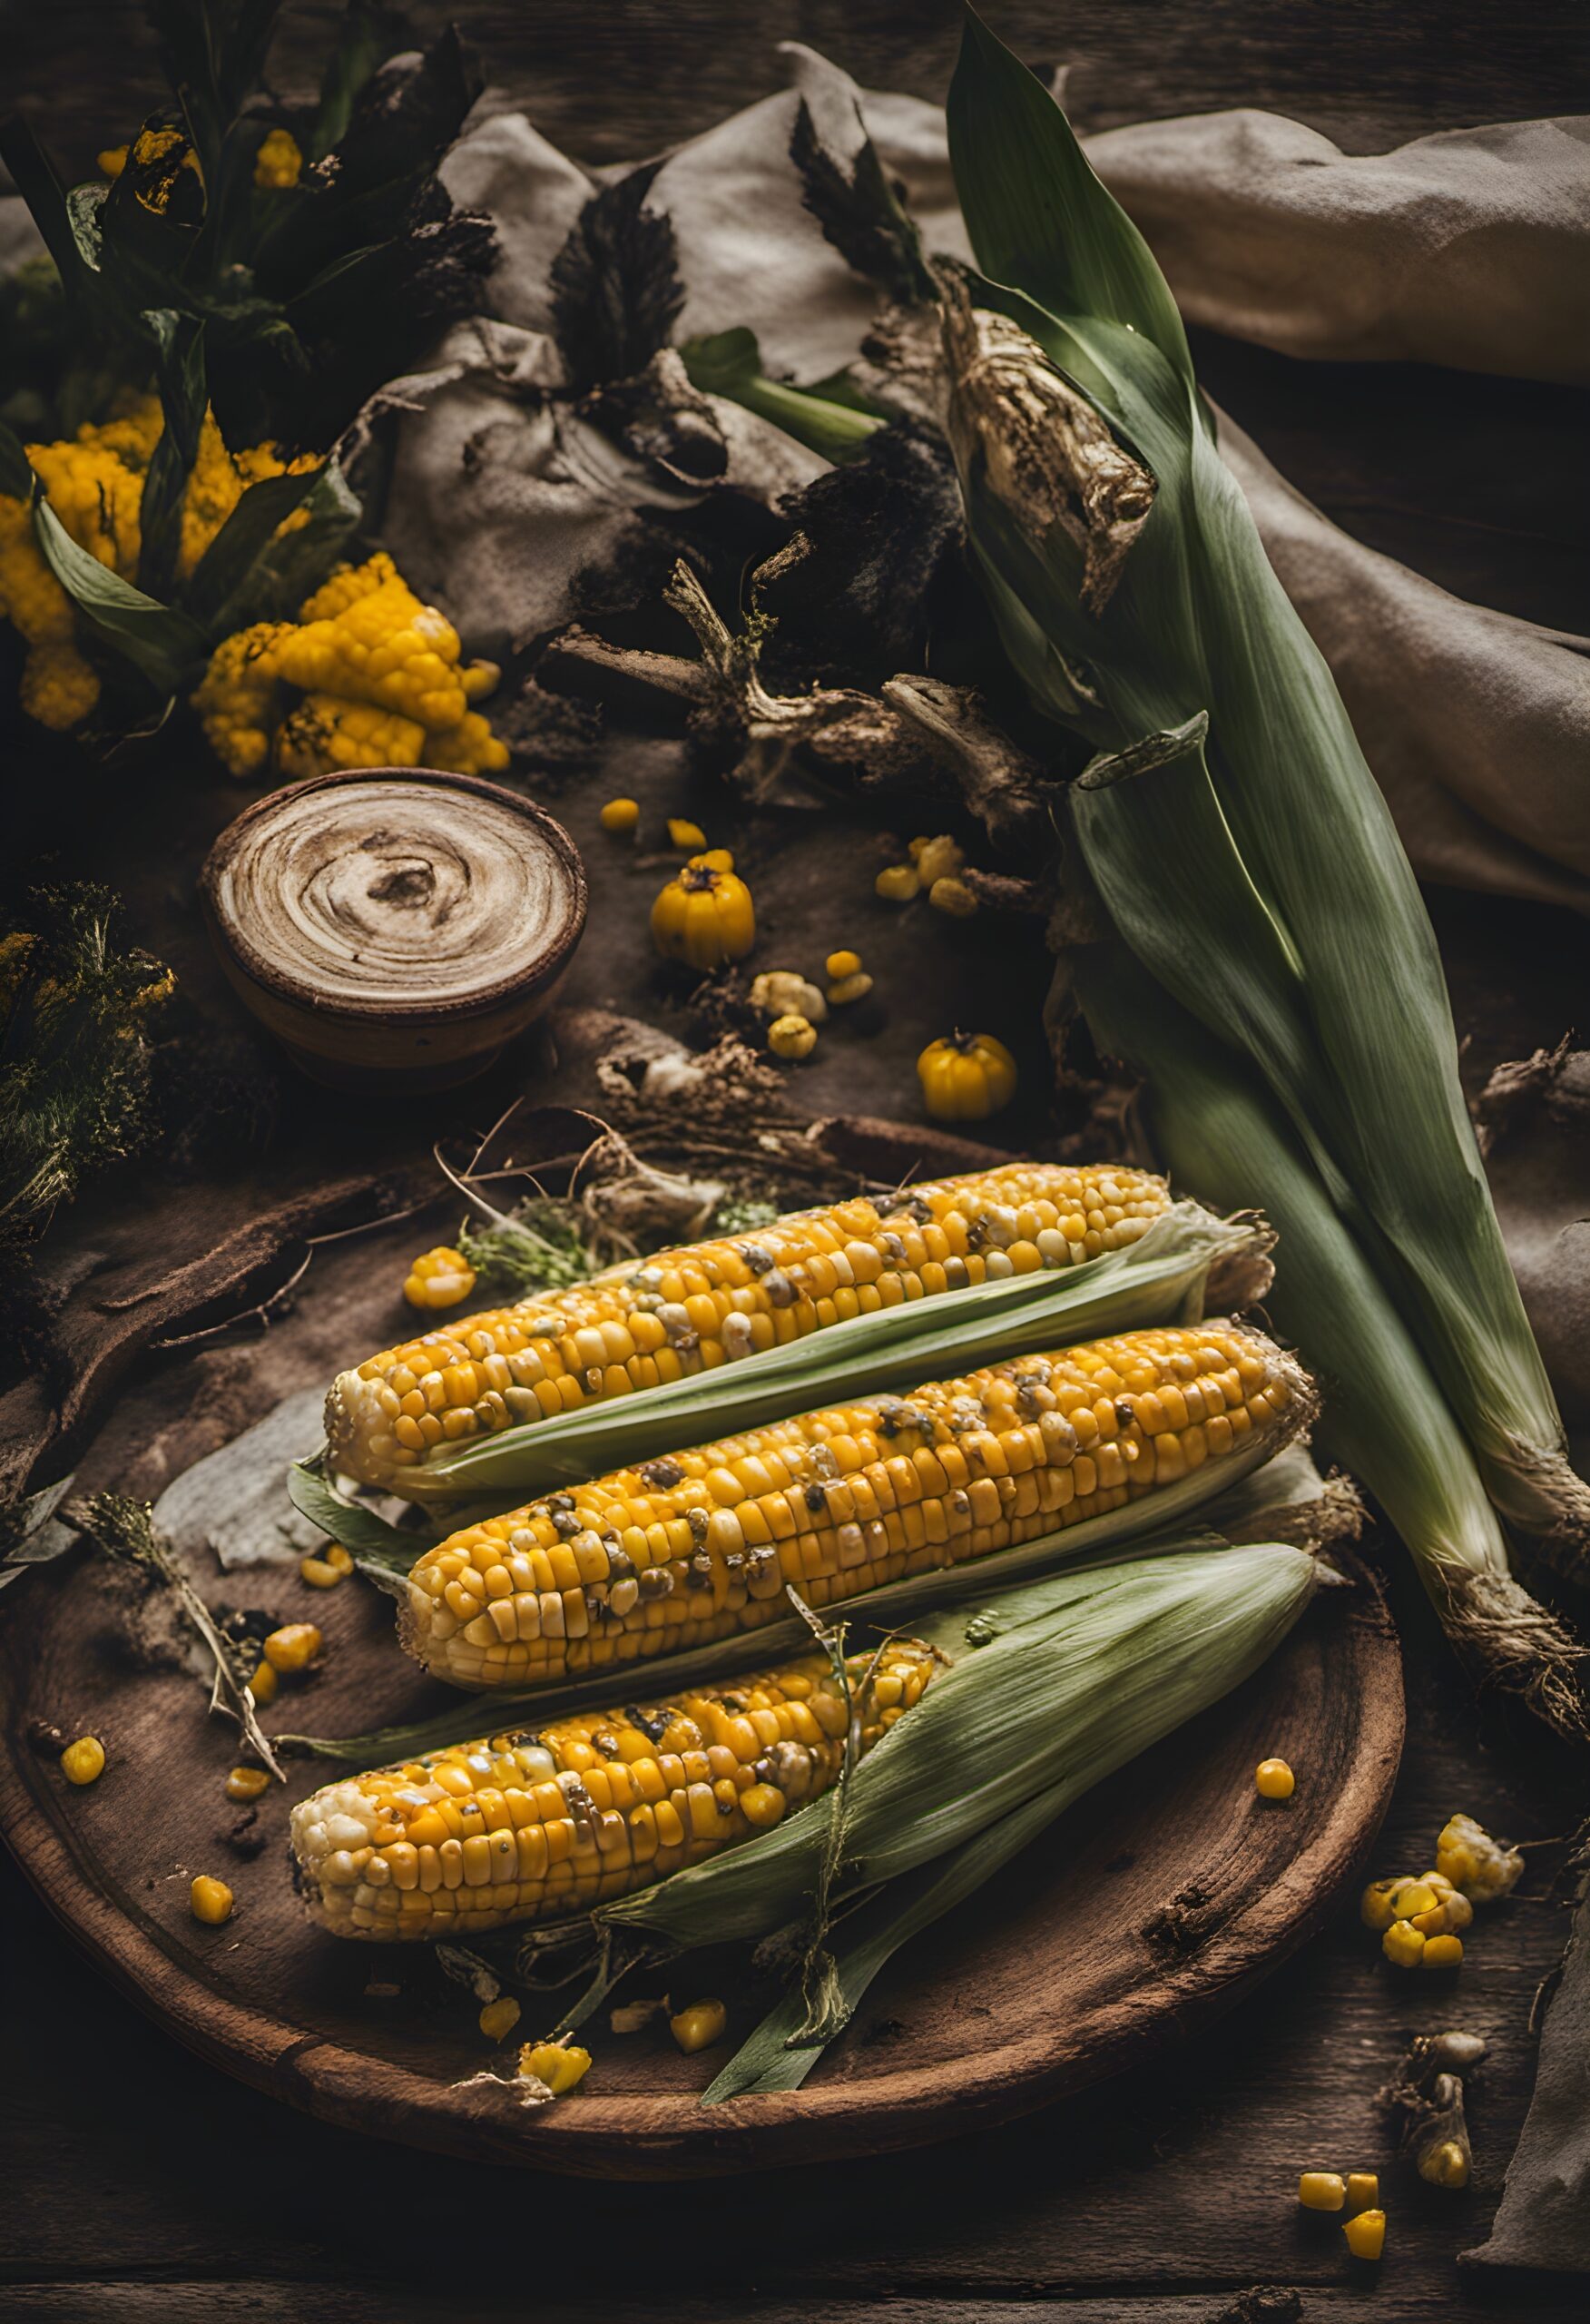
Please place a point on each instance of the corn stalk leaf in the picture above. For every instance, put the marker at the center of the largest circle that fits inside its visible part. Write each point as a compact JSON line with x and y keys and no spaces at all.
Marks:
{"x":180,"y":367}
{"x":160,"y":642}
{"x":377,"y":1547}
{"x":233,"y":575}
{"x":728,"y":363}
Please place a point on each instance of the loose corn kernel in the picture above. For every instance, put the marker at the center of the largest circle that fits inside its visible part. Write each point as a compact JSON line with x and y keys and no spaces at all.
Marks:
{"x":1322,"y":2191}
{"x":339,"y":1559}
{"x":936,"y":859}
{"x":1363,"y":2189}
{"x":1403,"y":1944}
{"x":262,"y":1685}
{"x":896,"y":884}
{"x":84,"y":1760}
{"x":700,"y":2025}
{"x":846,"y":989}
{"x":1274,"y":1780}
{"x":1413,"y":1897}
{"x":439,"y":1278}
{"x":499,"y":2017}
{"x":718,"y":859}
{"x":321,"y":1573}
{"x":620,"y":815}
{"x":1441,"y":1953}
{"x":1446,"y":2165}
{"x":211,"y":1901}
{"x":839,"y":965}
{"x":1473,"y":1861}
{"x":293,"y":1646}
{"x":782,"y":992}
{"x":1375,"y":1906}
{"x":247,"y":1783}
{"x":683,"y":833}
{"x":954,"y":897}
{"x":791,"y":1036}
{"x":559,"y":2064}
{"x":1365,"y":2234}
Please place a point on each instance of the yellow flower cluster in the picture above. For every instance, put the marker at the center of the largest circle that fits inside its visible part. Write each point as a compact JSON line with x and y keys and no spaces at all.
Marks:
{"x":95,"y":483}
{"x":381,"y":678}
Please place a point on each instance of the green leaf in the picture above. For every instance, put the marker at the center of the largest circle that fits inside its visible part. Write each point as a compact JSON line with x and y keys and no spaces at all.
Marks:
{"x":728,"y":363}
{"x":179,"y":366}
{"x":291,"y":566}
{"x":84,"y":205}
{"x":232,"y":575}
{"x":365,"y":37}
{"x":1038,"y":217}
{"x":370,"y":1541}
{"x":16,"y":476}
{"x":36,"y":180}
{"x":160,"y":642}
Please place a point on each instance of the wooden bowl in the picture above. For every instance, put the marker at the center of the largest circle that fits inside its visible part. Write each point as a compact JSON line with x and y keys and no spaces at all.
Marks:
{"x":393,"y":927}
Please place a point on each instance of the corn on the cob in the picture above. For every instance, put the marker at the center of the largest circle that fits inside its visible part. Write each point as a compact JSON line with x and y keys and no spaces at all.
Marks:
{"x":688,"y":1310}
{"x":534,"y":1826}
{"x":680,"y":1552}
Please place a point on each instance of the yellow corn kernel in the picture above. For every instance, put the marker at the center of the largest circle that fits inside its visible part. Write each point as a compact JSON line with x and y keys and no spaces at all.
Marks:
{"x":439,"y":1278}
{"x":499,"y":2017}
{"x":844,"y":991}
{"x":896,"y":884}
{"x":1274,"y":1780}
{"x":1445,"y":2164}
{"x":1363,"y":2189}
{"x":839,"y":965}
{"x":717,"y":859}
{"x":262,"y":1685}
{"x":1376,"y":1909}
{"x":247,"y":1783}
{"x":559,"y":2064}
{"x":321,"y":1573}
{"x":700,"y":2025}
{"x":1473,"y":1861}
{"x":620,"y":815}
{"x":936,"y":859}
{"x":338,"y":1559}
{"x":1413,"y":1897}
{"x":1441,"y":1953}
{"x":293,"y":1646}
{"x":954,"y":897}
{"x":685,"y":834}
{"x":209,"y":1901}
{"x":761,"y":1804}
{"x":1322,"y":2191}
{"x":791,"y":1036}
{"x":84,"y":1760}
{"x":1403,"y":1944}
{"x":1365,"y":2234}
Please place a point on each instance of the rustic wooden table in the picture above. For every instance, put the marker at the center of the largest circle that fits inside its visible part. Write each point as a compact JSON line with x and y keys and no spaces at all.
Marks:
{"x":141,"y":2185}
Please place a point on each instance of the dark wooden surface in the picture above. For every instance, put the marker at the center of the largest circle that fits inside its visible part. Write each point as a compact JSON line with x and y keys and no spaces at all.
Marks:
{"x":141,"y":2185}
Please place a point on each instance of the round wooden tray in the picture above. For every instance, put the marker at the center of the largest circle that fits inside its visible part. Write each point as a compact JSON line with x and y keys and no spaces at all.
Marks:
{"x":1153,"y":1905}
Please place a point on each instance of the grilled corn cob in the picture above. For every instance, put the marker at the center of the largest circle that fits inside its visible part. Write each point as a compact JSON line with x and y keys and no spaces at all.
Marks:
{"x":680,"y":1552}
{"x":534,"y":1826}
{"x":686,"y":1311}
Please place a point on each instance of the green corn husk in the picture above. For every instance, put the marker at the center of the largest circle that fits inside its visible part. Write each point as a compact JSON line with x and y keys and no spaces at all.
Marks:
{"x":1158,"y":1279}
{"x":1050,"y":1688}
{"x":1383,"y":1415}
{"x":1133,"y":592}
{"x":1238,"y":1493}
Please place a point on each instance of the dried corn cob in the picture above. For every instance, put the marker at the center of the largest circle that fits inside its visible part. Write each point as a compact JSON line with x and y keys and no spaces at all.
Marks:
{"x":688,"y":1310}
{"x":534,"y":1826}
{"x":680,"y":1552}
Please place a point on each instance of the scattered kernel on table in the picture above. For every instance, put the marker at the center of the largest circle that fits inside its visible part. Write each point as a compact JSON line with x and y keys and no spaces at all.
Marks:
{"x":844,"y":989}
{"x":783,"y":992}
{"x":499,"y":2017}
{"x":1403,"y":1944}
{"x":936,"y":859}
{"x":1441,"y":1953}
{"x":324,"y":1572}
{"x":1365,"y":2234}
{"x":1445,"y":2164}
{"x":700,"y":2025}
{"x":209,"y":1901}
{"x":439,"y":1278}
{"x":84,"y":1760}
{"x":952,"y":896}
{"x":896,"y":884}
{"x":620,"y":815}
{"x":1410,"y":1898}
{"x":1483,"y":1868}
{"x":683,"y":833}
{"x":1376,"y":1909}
{"x":718,"y":859}
{"x":1363,"y":2189}
{"x":791,"y":1036}
{"x":1274,"y":1780}
{"x":559,"y":2064}
{"x":247,"y":1783}
{"x":1322,"y":2191}
{"x":839,"y":965}
{"x":293,"y":1646}
{"x":263,"y":1684}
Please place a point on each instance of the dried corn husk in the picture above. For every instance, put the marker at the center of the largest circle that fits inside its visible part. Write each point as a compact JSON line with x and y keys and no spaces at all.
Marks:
{"x":1133,"y":593}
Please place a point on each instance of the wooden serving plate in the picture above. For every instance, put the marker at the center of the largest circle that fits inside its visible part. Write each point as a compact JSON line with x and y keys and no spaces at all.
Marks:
{"x":1157,"y":1902}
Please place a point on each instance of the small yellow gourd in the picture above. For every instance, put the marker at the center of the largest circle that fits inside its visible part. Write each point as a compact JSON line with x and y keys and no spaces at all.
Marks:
{"x":965,"y":1076}
{"x":704,"y":916}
